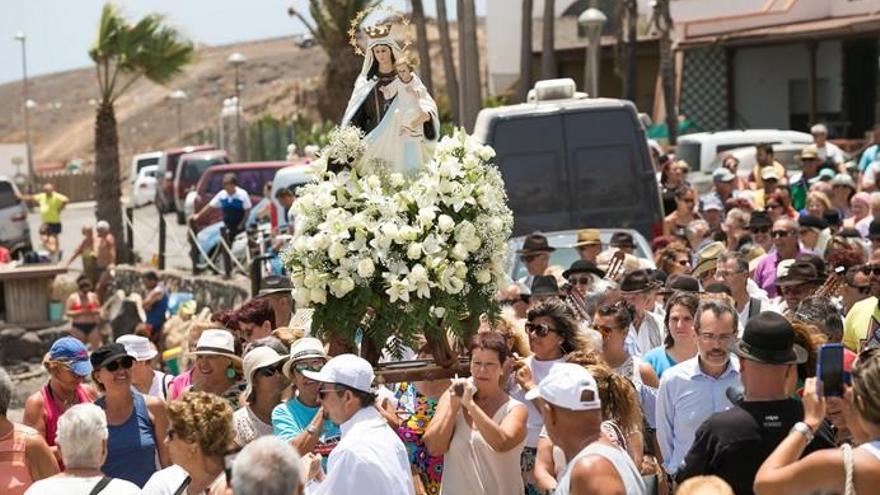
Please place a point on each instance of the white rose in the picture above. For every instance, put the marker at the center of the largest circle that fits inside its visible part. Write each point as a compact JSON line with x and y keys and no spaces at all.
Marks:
{"x":484,"y":276}
{"x":437,"y":312}
{"x":445,"y":223}
{"x":337,"y":251}
{"x":426,"y":215}
{"x":459,"y":252}
{"x":318,"y":296}
{"x":414,"y":251}
{"x":342,"y":286}
{"x":486,"y":153}
{"x":365,"y":268}
{"x":302,"y":296}
{"x":408,"y":233}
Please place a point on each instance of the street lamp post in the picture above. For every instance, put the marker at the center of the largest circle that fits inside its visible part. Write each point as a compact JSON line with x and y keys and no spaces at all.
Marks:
{"x":592,"y":21}
{"x":27,"y":104}
{"x":178,"y":96}
{"x":236,"y":60}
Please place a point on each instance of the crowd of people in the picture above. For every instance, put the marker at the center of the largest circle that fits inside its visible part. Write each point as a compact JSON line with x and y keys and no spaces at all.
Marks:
{"x":692,"y":373}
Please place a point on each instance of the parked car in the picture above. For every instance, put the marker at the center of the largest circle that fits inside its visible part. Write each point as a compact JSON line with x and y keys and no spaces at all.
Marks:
{"x":167,"y":170}
{"x":569,"y":161}
{"x":566,"y":254}
{"x":292,"y":178}
{"x":251,"y":177}
{"x":703,"y":150}
{"x":785,"y":153}
{"x":305,"y":40}
{"x":143,"y":160}
{"x":15,"y":234}
{"x":144,"y":190}
{"x":190,"y":168}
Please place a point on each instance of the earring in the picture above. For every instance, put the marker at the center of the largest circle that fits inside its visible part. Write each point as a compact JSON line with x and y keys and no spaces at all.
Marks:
{"x":230,"y":372}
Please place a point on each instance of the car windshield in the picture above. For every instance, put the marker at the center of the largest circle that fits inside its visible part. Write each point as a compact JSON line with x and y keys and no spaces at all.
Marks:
{"x":7,"y":195}
{"x":193,"y":169}
{"x":565,"y":253}
{"x":689,"y":151}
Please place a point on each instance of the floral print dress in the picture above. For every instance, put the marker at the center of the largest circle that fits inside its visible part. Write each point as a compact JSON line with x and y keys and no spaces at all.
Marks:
{"x":416,"y":411}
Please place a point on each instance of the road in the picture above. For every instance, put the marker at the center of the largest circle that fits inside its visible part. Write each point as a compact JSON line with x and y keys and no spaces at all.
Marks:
{"x":146,"y":233}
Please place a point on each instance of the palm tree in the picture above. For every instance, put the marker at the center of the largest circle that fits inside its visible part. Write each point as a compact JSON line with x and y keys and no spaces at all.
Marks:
{"x":525,"y":51}
{"x":662,"y":20}
{"x":124,"y":53}
{"x":469,"y":62}
{"x":418,"y":15}
{"x":329,"y":25}
{"x":548,"y":50}
{"x":448,"y":60}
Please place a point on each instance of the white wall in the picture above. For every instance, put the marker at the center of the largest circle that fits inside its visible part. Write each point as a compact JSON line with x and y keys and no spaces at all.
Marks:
{"x":762,"y":81}
{"x":13,"y":152}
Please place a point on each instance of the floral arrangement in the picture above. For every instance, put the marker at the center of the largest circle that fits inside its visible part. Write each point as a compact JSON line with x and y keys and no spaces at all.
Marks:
{"x":398,"y":257}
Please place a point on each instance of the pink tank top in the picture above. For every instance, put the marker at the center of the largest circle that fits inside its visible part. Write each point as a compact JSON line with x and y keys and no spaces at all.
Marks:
{"x":52,"y":409}
{"x":15,"y":475}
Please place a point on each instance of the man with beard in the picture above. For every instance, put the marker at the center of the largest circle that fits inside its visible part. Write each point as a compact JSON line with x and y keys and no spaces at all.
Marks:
{"x":693,"y":390}
{"x":861,"y":329}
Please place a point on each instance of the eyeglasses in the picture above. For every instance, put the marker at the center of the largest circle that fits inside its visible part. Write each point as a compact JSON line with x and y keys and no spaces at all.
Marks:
{"x":759,"y":230}
{"x":580,"y":280}
{"x":269,"y":371}
{"x":306,"y":367}
{"x":539,"y":329}
{"x":778,"y":234}
{"x":871,"y":270}
{"x":724,"y":339}
{"x":127,"y":362}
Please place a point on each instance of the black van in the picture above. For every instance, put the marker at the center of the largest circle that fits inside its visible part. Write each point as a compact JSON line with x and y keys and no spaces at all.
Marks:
{"x":570,"y":162}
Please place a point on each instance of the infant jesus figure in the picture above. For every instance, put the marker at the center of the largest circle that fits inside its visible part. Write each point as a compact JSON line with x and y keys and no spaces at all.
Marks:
{"x":405,"y":146}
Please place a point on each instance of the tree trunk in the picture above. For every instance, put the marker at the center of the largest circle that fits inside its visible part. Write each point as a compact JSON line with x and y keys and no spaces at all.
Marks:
{"x":548,"y":50}
{"x":631,"y":14}
{"x":525,"y":51}
{"x":448,"y":60}
{"x":108,"y":193}
{"x":470,"y":63}
{"x":340,"y":72}
{"x":667,"y":67}
{"x":418,"y":14}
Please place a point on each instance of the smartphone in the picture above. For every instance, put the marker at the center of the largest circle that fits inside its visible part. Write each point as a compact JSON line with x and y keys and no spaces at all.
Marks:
{"x":829,"y":369}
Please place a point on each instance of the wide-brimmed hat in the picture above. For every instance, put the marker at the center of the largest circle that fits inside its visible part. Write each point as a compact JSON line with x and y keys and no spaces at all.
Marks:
{"x":260,"y":357}
{"x":637,"y":281}
{"x":808,"y":153}
{"x":544,"y":285}
{"x":759,"y":218}
{"x":812,"y":222}
{"x":535,"y":243}
{"x":800,"y":272}
{"x":583,"y":266}
{"x":72,"y":352}
{"x":679,"y":282}
{"x":707,"y":258}
{"x":588,"y":237}
{"x":769,"y":338}
{"x":622,"y":239}
{"x":216,"y":342}
{"x":303,"y":349}
{"x":843,"y":180}
{"x":138,"y":347}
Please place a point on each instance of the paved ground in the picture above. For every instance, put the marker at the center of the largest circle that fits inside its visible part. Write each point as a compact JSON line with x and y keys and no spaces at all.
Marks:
{"x":146,"y":233}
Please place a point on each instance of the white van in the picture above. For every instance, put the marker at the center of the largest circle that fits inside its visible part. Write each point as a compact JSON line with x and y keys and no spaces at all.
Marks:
{"x":143,"y":160}
{"x":703,"y":150}
{"x":15,"y":235}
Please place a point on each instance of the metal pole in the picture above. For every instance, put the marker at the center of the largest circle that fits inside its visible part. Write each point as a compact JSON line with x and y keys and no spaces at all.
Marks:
{"x":227,"y":260}
{"x":27,"y":119}
{"x":594,"y":62}
{"x":179,"y":126}
{"x":162,"y":227}
{"x":129,"y":230}
{"x":238,"y":139}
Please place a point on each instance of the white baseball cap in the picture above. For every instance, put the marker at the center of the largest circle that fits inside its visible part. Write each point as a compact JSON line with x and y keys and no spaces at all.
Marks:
{"x":138,"y":347}
{"x":569,"y":386}
{"x":345,"y":369}
{"x":260,"y":357}
{"x":302,"y":349}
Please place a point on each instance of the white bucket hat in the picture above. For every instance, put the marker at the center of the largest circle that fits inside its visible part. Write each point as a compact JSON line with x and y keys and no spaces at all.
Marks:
{"x":138,"y":347}
{"x":260,"y":357}
{"x":569,"y":386}
{"x":301,"y":350}
{"x":217,"y":343}
{"x":346,"y":369}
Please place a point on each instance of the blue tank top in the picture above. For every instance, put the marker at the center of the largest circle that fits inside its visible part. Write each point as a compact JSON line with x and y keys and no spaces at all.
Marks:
{"x":131,"y":446}
{"x":156,"y":314}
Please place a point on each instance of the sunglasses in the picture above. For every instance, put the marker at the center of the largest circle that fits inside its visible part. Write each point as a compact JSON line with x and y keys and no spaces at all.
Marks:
{"x":539,"y":329}
{"x":871,"y":270}
{"x":269,"y":371}
{"x":526,"y":258}
{"x":759,"y":230}
{"x":306,"y":367}
{"x":127,"y":362}
{"x":779,"y":234}
{"x":580,"y":281}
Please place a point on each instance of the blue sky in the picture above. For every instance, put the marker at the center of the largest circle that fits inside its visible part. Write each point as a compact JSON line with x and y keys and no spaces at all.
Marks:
{"x":59,"y":32}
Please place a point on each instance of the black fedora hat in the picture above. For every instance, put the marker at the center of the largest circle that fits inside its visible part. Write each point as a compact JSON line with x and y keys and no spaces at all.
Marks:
{"x":769,"y":338}
{"x":536,"y":243}
{"x":680,"y":282}
{"x":583,"y":266}
{"x":622,"y":239}
{"x":637,"y":281}
{"x":760,"y":218}
{"x":544,"y":285}
{"x":800,"y":272}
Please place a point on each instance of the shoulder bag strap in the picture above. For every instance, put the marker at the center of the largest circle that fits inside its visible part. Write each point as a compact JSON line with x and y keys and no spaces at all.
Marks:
{"x":182,"y":488}
{"x":754,"y":307}
{"x":849,"y":489}
{"x":102,"y":483}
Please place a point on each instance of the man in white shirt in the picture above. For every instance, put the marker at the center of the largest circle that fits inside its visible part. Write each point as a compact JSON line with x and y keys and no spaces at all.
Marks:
{"x":693,"y":390}
{"x":828,"y":152}
{"x":647,"y":330}
{"x":733,"y":272}
{"x":234,"y":202}
{"x":370,"y":459}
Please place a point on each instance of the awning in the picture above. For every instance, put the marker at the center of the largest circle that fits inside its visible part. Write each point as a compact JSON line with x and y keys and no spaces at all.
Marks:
{"x":824,"y":28}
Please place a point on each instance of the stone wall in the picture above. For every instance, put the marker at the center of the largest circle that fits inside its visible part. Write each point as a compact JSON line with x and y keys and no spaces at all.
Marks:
{"x":211,"y":291}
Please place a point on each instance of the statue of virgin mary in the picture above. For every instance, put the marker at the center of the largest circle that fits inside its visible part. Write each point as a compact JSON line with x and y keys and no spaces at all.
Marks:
{"x":381,"y":118}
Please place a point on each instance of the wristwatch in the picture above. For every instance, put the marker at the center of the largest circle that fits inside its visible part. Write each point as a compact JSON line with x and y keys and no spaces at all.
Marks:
{"x":804,"y":429}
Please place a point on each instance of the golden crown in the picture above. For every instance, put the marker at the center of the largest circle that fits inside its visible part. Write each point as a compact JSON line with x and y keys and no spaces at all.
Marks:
{"x":378,"y":30}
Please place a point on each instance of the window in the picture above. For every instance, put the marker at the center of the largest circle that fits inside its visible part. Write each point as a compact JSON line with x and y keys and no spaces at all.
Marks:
{"x":193,"y":169}
{"x":7,"y":195}
{"x":145,"y":162}
{"x":689,"y":151}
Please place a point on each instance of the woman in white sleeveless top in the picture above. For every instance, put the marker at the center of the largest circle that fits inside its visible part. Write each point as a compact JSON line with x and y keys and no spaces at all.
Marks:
{"x":847,"y":470}
{"x":478,"y":428}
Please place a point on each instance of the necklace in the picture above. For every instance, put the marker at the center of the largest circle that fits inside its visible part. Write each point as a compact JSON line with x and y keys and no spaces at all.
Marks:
{"x":65,"y":402}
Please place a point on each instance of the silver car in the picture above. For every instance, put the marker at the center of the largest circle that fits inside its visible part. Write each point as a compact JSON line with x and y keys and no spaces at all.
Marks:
{"x":15,"y":235}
